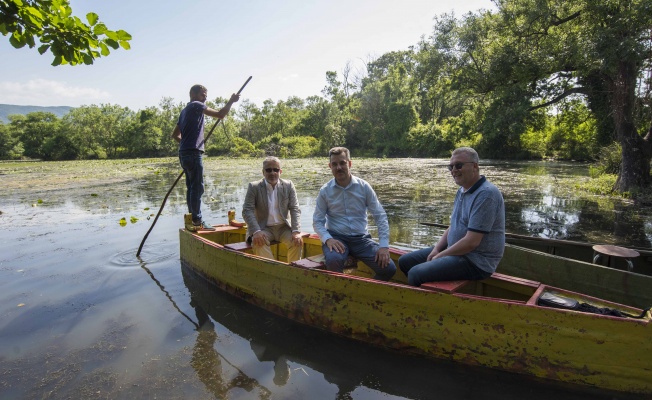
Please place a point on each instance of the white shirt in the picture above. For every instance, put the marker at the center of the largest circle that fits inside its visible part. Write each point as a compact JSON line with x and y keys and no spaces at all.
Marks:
{"x":274,"y":217}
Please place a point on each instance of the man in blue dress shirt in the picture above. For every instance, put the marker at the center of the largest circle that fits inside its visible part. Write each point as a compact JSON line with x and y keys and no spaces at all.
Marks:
{"x":340,"y":220}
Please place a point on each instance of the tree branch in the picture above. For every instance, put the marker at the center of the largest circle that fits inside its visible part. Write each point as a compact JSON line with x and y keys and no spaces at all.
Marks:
{"x":559,"y":98}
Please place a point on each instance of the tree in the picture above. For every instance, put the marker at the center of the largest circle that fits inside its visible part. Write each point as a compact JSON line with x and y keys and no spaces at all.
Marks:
{"x":10,"y":146}
{"x":34,"y":130}
{"x":68,"y":38}
{"x":534,"y":54}
{"x":598,"y":49}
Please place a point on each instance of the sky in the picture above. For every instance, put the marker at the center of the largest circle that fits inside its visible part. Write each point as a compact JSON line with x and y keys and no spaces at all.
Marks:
{"x":286,"y":46}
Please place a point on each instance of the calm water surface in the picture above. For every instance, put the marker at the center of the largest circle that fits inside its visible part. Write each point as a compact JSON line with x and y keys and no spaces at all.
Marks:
{"x":82,"y":317}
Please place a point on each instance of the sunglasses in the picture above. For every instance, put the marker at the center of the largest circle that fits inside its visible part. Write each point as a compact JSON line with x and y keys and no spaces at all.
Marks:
{"x":459,"y":165}
{"x":268,"y":170}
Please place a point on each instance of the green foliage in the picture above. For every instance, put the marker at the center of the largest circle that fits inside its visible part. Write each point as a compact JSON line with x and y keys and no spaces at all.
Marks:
{"x":429,"y":140}
{"x":569,"y":135}
{"x":10,"y":146}
{"x":601,"y":185}
{"x":34,"y":130}
{"x":243,"y":148}
{"x":609,"y":159}
{"x":300,"y":147}
{"x":51,"y":23}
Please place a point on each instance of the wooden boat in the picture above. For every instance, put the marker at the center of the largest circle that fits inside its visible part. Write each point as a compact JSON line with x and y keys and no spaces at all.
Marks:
{"x":582,"y":251}
{"x":495,"y":323}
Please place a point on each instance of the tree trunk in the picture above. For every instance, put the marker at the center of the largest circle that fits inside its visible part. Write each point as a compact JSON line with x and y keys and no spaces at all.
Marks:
{"x":635,"y":167}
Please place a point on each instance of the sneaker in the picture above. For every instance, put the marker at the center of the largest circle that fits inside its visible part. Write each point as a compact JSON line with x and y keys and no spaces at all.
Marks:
{"x":204,"y":226}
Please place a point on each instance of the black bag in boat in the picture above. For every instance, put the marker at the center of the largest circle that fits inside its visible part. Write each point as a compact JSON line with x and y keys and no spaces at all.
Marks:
{"x":548,"y":299}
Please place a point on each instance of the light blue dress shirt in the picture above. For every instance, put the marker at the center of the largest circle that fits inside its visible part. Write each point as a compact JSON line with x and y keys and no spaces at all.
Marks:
{"x":344,"y":210}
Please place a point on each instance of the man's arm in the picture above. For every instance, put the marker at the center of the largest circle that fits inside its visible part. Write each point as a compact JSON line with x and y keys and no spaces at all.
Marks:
{"x":380,"y":216}
{"x":463,"y":246}
{"x":295,"y":210}
{"x":176,"y":134}
{"x":249,"y":209}
{"x":319,"y":217}
{"x":222,"y":112}
{"x":440,"y":246}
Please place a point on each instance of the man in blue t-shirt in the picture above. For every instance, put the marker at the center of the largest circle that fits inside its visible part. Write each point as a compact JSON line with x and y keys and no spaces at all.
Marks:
{"x":189,"y":133}
{"x":473,"y":244}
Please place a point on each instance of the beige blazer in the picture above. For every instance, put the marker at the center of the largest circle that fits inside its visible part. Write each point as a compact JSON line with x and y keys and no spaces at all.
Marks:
{"x":256,"y":209}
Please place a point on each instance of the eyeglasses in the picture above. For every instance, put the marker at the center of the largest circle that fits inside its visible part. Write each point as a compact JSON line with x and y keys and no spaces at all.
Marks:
{"x":459,"y":165}
{"x":268,"y":170}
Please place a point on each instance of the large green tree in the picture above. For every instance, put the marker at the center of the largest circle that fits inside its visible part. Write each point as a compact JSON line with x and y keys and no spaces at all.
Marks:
{"x":533,"y":54}
{"x":51,"y":24}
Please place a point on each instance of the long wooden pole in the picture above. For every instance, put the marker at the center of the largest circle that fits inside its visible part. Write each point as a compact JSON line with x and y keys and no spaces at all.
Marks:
{"x":165,"y":199}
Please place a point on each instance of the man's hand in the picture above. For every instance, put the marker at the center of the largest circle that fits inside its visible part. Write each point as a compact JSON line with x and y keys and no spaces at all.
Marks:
{"x":335,"y":245}
{"x":433,"y":254}
{"x":382,"y":257}
{"x":260,"y":239}
{"x":297,"y":239}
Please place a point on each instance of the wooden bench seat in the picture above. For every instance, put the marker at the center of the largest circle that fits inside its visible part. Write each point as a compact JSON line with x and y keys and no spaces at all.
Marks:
{"x":444,"y":286}
{"x":307,"y":263}
{"x":243,"y":246}
{"x":454,"y":286}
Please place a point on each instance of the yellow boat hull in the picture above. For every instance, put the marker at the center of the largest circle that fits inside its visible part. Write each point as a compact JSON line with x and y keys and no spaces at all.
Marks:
{"x":495,"y":323}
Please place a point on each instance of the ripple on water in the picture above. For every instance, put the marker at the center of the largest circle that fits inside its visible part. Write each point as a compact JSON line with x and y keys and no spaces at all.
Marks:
{"x":150,"y":254}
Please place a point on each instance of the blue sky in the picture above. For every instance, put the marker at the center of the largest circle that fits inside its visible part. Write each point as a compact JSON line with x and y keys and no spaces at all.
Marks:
{"x":287,"y":46}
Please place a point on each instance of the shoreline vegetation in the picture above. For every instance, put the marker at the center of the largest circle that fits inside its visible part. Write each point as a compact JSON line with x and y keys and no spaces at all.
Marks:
{"x":489,"y":80}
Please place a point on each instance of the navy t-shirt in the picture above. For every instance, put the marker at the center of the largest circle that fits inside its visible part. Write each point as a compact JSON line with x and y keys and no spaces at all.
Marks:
{"x":191,"y":124}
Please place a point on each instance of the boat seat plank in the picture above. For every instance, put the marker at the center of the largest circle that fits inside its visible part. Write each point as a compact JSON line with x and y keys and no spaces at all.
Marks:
{"x":312,"y":262}
{"x":444,"y":286}
{"x":243,"y":246}
{"x":453,"y":286}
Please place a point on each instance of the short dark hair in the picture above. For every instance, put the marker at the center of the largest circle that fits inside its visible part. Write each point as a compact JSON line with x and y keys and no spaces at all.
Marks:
{"x":197,"y":89}
{"x":339,"y":150}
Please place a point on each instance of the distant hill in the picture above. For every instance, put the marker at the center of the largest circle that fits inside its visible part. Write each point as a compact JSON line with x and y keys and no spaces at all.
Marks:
{"x":9,"y":109}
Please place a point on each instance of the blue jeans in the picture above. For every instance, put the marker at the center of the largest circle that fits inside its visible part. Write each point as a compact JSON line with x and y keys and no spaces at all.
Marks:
{"x":360,"y":247}
{"x":191,"y":162}
{"x":450,"y":268}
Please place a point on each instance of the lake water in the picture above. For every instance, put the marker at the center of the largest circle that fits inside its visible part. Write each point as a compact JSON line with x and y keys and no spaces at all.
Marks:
{"x":82,"y":317}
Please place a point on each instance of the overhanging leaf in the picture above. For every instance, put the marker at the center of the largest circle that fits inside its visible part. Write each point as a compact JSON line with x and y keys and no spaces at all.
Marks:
{"x":92,"y":18}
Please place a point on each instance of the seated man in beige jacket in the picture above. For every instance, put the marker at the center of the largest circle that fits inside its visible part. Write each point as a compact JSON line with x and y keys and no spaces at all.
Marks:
{"x":266,"y":208}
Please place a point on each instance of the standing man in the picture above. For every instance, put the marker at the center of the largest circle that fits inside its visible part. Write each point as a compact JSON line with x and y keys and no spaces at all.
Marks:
{"x":473,"y":244}
{"x":266,"y":207}
{"x":189,"y":133}
{"x":340,"y":220}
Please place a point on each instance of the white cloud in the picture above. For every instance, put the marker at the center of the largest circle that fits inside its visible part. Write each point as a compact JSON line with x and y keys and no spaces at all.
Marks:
{"x":42,"y":92}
